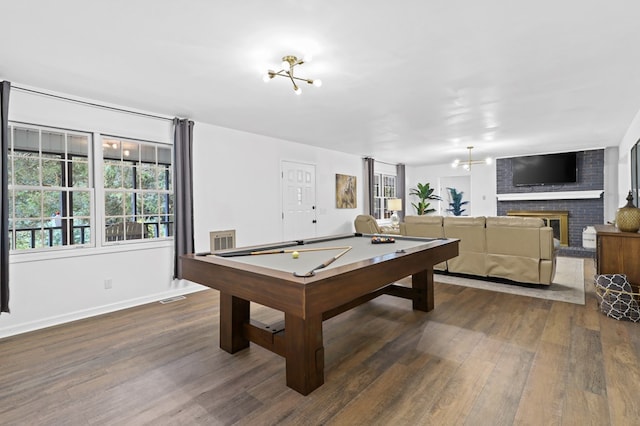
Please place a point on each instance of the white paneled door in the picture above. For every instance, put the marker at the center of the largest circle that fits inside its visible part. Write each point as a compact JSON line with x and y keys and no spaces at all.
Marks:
{"x":298,"y":200}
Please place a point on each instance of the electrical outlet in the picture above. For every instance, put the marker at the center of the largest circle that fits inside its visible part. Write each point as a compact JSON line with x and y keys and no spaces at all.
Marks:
{"x":108,"y":282}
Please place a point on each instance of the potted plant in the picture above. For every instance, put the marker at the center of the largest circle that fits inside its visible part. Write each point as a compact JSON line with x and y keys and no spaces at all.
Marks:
{"x":456,"y":202}
{"x":424,"y":192}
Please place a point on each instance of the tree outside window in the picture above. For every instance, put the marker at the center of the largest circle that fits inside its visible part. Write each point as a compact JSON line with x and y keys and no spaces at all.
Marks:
{"x":50,"y":189}
{"x":52,"y":198}
{"x":138,"y":202}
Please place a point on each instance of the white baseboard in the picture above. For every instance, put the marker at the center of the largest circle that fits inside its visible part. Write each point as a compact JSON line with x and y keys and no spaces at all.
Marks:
{"x":98,"y":310}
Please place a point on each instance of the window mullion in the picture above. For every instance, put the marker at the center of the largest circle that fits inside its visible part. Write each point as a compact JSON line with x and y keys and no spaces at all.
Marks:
{"x":97,"y":227}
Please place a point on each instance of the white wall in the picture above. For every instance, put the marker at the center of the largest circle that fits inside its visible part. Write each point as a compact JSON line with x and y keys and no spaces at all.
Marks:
{"x":631,"y":136}
{"x":236,"y":179}
{"x":237,"y":185}
{"x":611,"y":185}
{"x":482,"y":192}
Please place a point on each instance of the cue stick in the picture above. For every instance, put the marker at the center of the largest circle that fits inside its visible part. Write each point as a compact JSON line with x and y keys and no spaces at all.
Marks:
{"x":324,"y":264}
{"x":276,"y":251}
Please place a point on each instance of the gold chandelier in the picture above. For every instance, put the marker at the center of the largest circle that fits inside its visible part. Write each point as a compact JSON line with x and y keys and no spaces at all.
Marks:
{"x":466,"y":164}
{"x":289,"y":62}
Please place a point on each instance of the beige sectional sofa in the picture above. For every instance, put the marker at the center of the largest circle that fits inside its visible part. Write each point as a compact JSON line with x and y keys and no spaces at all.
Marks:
{"x":367,"y":224}
{"x":516,"y":248}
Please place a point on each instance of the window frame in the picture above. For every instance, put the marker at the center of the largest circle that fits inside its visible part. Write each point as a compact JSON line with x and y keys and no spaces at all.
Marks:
{"x":66,"y":189}
{"x":104,"y":140}
{"x":382,"y":192}
{"x":96,"y":189}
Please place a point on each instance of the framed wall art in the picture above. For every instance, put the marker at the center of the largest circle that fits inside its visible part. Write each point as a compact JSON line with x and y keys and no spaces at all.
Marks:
{"x":346,"y":192}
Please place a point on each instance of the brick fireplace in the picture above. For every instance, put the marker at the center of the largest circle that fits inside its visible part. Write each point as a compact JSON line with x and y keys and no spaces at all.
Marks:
{"x":582,"y":200}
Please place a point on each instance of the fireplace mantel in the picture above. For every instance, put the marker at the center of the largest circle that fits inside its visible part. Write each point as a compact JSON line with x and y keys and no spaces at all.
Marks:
{"x":560,"y":195}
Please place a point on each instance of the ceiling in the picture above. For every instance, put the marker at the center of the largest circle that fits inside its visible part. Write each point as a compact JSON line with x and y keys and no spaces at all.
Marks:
{"x":404,"y":82}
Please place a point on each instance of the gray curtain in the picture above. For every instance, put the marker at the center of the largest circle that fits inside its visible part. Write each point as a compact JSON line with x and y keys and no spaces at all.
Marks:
{"x":368,"y":185}
{"x":400,"y":189}
{"x":5,"y":88}
{"x":182,"y":191}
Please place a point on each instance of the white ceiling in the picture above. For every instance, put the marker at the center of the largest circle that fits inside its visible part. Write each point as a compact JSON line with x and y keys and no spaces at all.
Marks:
{"x":410,"y":82}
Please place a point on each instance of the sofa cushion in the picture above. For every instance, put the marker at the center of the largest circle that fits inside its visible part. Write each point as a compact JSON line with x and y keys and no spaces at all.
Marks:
{"x":470,"y":231}
{"x":424,"y":226}
{"x":426,"y":219}
{"x":515,"y":249}
{"x":516,"y":268}
{"x":514,"y":236}
{"x":515,"y":221}
{"x":472,"y":249}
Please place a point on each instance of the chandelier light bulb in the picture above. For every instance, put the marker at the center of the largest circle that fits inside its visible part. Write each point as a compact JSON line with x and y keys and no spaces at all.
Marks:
{"x":317,"y":83}
{"x":297,"y":90}
{"x":266,"y":78}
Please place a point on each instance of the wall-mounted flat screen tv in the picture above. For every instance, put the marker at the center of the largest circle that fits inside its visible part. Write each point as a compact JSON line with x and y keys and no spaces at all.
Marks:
{"x":545,"y":169}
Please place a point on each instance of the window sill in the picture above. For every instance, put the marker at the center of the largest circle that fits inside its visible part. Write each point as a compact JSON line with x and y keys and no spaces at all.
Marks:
{"x":23,"y":257}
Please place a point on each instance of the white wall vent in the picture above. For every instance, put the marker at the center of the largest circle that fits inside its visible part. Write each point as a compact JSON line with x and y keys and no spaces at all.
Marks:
{"x":221,"y":240}
{"x":172,"y":299}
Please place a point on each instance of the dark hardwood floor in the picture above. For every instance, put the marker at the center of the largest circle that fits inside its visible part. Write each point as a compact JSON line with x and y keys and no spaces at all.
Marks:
{"x":480,"y":358}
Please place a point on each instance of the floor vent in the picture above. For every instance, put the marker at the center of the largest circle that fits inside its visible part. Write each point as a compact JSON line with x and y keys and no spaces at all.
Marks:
{"x":222,"y":240}
{"x":172,"y":299}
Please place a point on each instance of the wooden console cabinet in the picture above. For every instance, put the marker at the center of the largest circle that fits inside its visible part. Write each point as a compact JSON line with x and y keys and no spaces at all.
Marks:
{"x":618,"y":253}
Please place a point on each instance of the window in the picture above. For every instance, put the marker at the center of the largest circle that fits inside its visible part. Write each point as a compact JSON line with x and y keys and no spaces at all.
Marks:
{"x":50,"y":188}
{"x":53,"y":202}
{"x":138,"y":196}
{"x":384,"y":189}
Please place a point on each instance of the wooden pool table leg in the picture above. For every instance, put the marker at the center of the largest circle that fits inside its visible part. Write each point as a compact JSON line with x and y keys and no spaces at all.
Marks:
{"x":423,"y":282}
{"x":234,"y":312}
{"x":304,"y":353}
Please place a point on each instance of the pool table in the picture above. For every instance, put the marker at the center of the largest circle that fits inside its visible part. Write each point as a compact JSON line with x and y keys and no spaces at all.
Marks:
{"x":327,"y":277}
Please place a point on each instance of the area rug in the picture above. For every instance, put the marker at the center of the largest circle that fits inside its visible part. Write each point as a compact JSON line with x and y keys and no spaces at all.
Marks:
{"x":567,"y":285}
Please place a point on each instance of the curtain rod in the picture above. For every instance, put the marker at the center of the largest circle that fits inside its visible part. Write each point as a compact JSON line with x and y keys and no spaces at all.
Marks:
{"x":144,"y":114}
